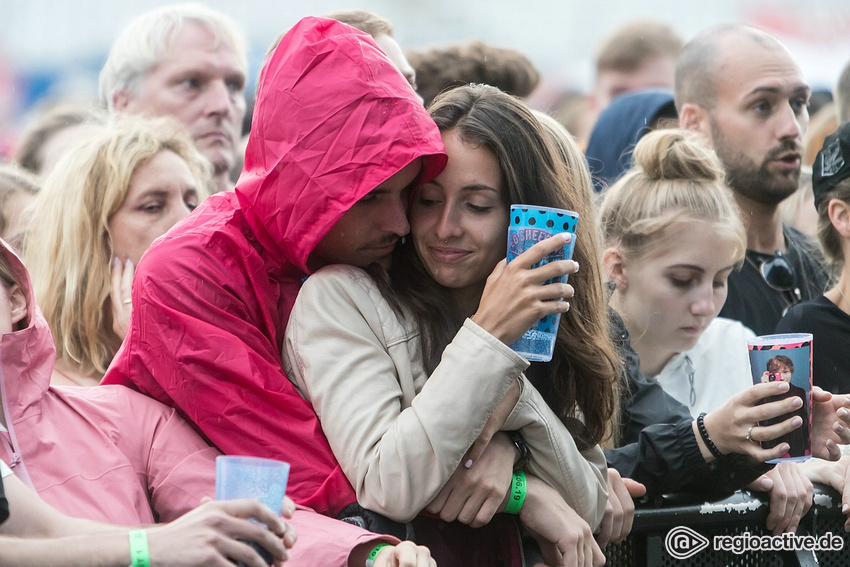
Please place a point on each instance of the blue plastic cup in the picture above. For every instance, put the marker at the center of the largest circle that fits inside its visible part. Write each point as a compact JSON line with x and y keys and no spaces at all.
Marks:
{"x":528,"y":226}
{"x":252,"y":478}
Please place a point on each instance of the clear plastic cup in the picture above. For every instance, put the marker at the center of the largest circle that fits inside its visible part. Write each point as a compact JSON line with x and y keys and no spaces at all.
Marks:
{"x":252,"y":478}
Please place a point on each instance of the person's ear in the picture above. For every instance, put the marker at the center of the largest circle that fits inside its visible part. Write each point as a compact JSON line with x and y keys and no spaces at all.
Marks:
{"x":696,"y":118}
{"x":18,"y":304}
{"x":121,"y":99}
{"x":839,"y":216}
{"x":615,"y":268}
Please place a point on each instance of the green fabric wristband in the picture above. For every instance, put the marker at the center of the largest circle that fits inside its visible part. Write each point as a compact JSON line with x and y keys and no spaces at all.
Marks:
{"x":370,"y":561}
{"x":139,"y":549}
{"x":517,"y":496}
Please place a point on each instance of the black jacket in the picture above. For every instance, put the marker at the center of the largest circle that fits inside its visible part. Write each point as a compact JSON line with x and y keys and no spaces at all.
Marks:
{"x":657,"y":443}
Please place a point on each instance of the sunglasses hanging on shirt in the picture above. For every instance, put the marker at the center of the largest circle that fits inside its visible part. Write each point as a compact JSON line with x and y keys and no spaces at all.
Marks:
{"x":779,"y":274}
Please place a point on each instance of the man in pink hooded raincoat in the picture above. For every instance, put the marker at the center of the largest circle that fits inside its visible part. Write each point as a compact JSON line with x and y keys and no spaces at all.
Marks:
{"x":333,"y":122}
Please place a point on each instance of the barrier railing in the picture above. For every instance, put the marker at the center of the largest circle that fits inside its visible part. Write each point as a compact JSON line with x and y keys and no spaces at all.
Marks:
{"x":680,"y":531}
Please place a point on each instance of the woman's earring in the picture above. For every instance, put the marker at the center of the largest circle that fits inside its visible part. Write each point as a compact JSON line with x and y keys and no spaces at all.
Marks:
{"x":403,"y":239}
{"x":612,"y":287}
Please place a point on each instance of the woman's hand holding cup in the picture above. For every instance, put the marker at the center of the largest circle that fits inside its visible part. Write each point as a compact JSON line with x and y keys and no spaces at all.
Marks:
{"x":514,"y":296}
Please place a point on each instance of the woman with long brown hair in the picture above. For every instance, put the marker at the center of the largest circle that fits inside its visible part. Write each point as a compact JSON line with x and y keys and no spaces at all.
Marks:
{"x":405,"y":367}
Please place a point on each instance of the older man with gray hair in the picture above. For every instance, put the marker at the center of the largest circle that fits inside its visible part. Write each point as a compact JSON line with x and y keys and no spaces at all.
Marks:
{"x":188,"y":62}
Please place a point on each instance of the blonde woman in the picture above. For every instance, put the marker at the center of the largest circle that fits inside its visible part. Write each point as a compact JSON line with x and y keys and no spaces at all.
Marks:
{"x":672,"y":236}
{"x":98,"y":211}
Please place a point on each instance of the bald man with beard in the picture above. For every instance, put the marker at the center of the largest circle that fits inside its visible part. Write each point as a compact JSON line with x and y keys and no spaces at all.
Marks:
{"x":742,"y":90}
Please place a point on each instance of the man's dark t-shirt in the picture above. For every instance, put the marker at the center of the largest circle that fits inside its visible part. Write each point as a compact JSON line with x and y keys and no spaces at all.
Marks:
{"x":830,"y":329}
{"x":760,"y":307}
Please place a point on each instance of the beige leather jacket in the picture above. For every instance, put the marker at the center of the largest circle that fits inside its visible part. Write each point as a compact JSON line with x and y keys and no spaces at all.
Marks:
{"x":399,"y":434}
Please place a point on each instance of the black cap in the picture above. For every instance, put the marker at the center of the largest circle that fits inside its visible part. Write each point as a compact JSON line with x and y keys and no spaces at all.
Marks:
{"x":832,"y":164}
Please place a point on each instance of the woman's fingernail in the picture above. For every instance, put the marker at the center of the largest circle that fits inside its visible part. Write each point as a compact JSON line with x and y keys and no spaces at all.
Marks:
{"x":566,"y":236}
{"x":116,"y":261}
{"x":845,"y":508}
{"x":797,"y":421}
{"x":129,"y":263}
{"x":577,"y":266}
{"x":468,"y":463}
{"x":842,"y":412}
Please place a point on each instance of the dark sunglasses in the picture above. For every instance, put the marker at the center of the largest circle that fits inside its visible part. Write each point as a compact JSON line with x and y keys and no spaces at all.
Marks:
{"x":779,"y":274}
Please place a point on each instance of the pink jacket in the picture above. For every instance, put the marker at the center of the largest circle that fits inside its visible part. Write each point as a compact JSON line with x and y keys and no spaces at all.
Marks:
{"x":333,"y":120}
{"x":105,"y":453}
{"x":113,"y":455}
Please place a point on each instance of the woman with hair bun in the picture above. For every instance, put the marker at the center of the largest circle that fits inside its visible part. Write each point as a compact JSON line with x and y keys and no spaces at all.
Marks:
{"x":671,"y":208}
{"x":673,"y":235}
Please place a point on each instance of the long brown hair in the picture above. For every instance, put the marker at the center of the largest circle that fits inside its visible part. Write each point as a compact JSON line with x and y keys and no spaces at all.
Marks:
{"x":580,"y":384}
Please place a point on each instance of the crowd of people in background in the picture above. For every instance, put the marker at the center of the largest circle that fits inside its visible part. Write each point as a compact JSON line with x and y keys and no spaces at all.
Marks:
{"x":319,"y":277}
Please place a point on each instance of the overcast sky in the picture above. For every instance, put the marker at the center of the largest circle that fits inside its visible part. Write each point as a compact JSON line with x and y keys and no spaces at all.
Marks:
{"x":69,"y":39}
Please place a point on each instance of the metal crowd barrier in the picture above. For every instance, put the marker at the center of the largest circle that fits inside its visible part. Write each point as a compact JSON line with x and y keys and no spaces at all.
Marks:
{"x":660,"y":536}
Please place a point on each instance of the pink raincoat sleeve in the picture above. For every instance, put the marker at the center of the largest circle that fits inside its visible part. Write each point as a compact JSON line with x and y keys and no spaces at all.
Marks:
{"x":327,"y":542}
{"x":200,"y":342}
{"x":181,"y":468}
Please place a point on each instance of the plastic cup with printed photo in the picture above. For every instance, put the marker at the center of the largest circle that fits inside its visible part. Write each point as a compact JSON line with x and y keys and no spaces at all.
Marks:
{"x":528,"y":226}
{"x":786,"y":357}
{"x":252,"y":478}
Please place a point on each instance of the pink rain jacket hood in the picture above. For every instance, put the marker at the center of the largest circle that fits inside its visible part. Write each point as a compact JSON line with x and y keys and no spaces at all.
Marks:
{"x":105,"y":453}
{"x":333,"y":120}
